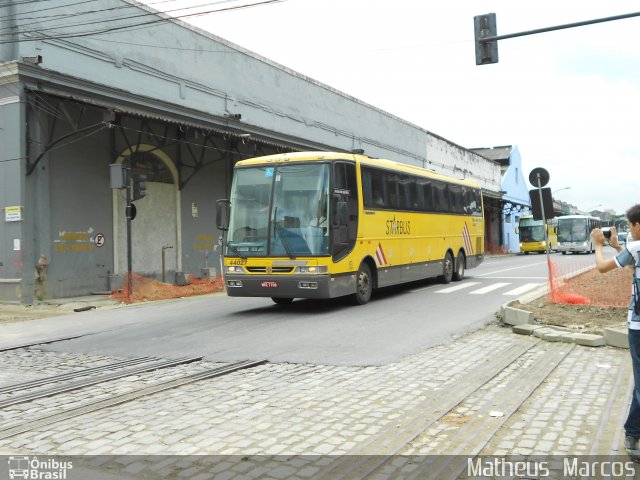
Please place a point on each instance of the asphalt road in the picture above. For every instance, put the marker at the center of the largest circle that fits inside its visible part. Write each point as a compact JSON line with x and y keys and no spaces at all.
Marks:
{"x":397,"y":322}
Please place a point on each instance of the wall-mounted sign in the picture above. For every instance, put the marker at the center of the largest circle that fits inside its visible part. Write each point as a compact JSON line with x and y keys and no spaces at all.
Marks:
{"x":99,"y":240}
{"x":12,"y":214}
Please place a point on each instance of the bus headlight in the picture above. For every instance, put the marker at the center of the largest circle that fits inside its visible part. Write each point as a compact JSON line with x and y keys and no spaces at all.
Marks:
{"x":314,"y":270}
{"x":235,"y":269}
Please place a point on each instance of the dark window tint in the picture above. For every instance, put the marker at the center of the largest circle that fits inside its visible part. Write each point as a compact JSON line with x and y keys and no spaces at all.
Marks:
{"x":382,"y":189}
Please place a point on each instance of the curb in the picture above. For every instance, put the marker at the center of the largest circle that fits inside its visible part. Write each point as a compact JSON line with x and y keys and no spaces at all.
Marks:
{"x":522,"y":322}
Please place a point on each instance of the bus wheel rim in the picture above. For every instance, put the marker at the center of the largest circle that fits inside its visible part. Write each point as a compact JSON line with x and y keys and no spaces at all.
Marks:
{"x":363,"y":284}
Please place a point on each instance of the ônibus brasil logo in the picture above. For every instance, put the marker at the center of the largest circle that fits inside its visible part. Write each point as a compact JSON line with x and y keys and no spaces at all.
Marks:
{"x":35,"y":469}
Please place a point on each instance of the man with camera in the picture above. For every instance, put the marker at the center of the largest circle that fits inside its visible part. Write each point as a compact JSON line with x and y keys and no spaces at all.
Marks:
{"x":629,"y":255}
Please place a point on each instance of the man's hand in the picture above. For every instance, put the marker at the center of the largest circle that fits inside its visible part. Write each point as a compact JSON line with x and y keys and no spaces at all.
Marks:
{"x":613,"y":241}
{"x":598,"y":237}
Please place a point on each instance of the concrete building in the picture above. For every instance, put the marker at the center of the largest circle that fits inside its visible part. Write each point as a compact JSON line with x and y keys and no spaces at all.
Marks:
{"x":83,"y":87}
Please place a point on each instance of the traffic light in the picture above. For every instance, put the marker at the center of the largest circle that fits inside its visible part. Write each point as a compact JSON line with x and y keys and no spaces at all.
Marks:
{"x":485,"y":26}
{"x":139,"y":186}
{"x":547,"y":203}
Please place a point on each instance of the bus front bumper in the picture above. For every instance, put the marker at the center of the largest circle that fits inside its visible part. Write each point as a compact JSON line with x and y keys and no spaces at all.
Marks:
{"x":298,"y":286}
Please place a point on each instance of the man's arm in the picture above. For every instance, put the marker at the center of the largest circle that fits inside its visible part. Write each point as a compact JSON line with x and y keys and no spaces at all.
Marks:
{"x":604,"y":265}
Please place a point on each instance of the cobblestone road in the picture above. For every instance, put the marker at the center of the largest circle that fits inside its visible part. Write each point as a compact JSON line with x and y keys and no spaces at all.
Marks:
{"x":488,"y":393}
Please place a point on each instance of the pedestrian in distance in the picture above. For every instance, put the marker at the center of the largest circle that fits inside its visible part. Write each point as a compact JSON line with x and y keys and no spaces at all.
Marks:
{"x":627,"y":255}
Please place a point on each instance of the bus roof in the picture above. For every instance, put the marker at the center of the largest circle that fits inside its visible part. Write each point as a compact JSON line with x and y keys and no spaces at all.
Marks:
{"x":362,"y":159}
{"x":578,"y":216}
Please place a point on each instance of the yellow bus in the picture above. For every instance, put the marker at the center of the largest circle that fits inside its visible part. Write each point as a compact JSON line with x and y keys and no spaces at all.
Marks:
{"x":324,"y":225}
{"x":532,"y":237}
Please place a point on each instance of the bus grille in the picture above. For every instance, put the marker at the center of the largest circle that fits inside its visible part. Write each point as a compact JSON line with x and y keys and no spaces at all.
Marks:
{"x":272,"y":269}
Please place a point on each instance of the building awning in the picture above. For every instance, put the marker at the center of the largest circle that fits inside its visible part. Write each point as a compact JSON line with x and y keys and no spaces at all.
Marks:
{"x":492,"y":194}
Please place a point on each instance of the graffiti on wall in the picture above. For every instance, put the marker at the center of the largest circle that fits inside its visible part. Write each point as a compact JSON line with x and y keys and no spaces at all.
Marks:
{"x":78,"y":241}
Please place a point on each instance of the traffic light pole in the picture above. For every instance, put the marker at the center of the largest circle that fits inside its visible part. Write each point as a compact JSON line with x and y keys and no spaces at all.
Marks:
{"x":128,"y":214}
{"x":558,"y":27}
{"x":486,"y":38}
{"x":544,"y":219}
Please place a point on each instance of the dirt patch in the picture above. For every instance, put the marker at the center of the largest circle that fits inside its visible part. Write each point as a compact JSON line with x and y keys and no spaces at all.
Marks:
{"x":580,"y":318}
{"x":591,"y":287}
{"x":455,"y":419}
{"x":145,"y":290}
{"x":18,"y":313}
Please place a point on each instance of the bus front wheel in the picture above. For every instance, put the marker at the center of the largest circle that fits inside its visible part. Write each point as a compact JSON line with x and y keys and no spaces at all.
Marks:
{"x":447,"y":269}
{"x":364,"y":285}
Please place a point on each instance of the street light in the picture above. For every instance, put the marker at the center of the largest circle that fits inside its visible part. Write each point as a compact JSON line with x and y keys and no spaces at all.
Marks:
{"x":590,"y":209}
{"x":560,"y":189}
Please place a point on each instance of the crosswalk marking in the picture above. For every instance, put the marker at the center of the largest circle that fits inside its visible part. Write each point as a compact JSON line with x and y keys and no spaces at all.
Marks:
{"x":522,"y":289}
{"x":489,"y":288}
{"x":486,"y":289}
{"x":458,"y":287}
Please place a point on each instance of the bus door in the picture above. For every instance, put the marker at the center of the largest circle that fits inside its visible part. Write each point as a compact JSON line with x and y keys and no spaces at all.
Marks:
{"x":344,"y":209}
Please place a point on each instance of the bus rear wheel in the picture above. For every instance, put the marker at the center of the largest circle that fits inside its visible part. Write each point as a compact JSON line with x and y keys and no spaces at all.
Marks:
{"x":364,"y":285}
{"x":282,"y":300}
{"x":447,"y":269}
{"x":459,"y":273}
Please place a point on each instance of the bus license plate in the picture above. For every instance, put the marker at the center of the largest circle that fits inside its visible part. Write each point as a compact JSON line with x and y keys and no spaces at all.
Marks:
{"x":269,"y":285}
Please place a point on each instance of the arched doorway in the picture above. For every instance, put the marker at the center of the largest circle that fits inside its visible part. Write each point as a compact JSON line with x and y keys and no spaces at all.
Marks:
{"x":157,"y":221}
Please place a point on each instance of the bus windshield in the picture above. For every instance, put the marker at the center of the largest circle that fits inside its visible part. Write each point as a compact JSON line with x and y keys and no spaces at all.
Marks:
{"x":531,"y":230}
{"x":573,"y":230}
{"x":280,"y":211}
{"x":532,"y":234}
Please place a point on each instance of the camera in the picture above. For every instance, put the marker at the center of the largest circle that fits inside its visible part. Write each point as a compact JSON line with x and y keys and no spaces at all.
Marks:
{"x":607,"y":234}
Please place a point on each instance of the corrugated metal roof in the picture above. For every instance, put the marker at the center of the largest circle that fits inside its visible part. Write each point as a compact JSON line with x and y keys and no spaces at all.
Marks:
{"x":497,"y":154}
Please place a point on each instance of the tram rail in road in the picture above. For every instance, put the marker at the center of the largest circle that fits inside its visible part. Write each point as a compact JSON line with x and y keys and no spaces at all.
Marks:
{"x":127,"y":397}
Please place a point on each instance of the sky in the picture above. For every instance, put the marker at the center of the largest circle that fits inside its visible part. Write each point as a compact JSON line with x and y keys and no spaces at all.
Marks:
{"x":569,"y":100}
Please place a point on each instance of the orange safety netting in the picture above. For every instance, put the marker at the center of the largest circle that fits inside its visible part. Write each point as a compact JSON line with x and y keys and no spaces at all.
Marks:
{"x":576,"y":280}
{"x":147,"y":289}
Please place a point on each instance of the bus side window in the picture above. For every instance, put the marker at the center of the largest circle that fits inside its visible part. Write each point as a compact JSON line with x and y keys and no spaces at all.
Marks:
{"x":427,"y":195}
{"x":455,"y":198}
{"x":440,"y":199}
{"x":391,"y":190}
{"x":373,"y":188}
{"x":406,"y":188}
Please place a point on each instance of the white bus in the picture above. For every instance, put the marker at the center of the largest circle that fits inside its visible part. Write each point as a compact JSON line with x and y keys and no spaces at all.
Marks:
{"x":574,"y":233}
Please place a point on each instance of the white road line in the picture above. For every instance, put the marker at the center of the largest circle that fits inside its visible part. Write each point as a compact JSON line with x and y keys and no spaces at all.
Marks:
{"x":508,"y":269}
{"x":458,"y":287}
{"x":517,"y":278}
{"x":493,"y":286}
{"x":522,"y":289}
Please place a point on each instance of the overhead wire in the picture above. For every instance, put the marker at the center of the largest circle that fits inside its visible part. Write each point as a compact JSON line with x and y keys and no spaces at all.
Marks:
{"x":155,"y":21}
{"x":49,"y":109}
{"x":49,"y":18}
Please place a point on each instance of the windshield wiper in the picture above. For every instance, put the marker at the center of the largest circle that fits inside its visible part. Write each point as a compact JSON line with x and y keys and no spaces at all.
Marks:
{"x":235,"y":250}
{"x":278,"y":229}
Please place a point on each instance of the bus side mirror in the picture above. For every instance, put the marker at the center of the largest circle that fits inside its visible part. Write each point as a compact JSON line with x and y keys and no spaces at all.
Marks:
{"x":517,"y":229}
{"x":340,"y":216}
{"x":222,"y":214}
